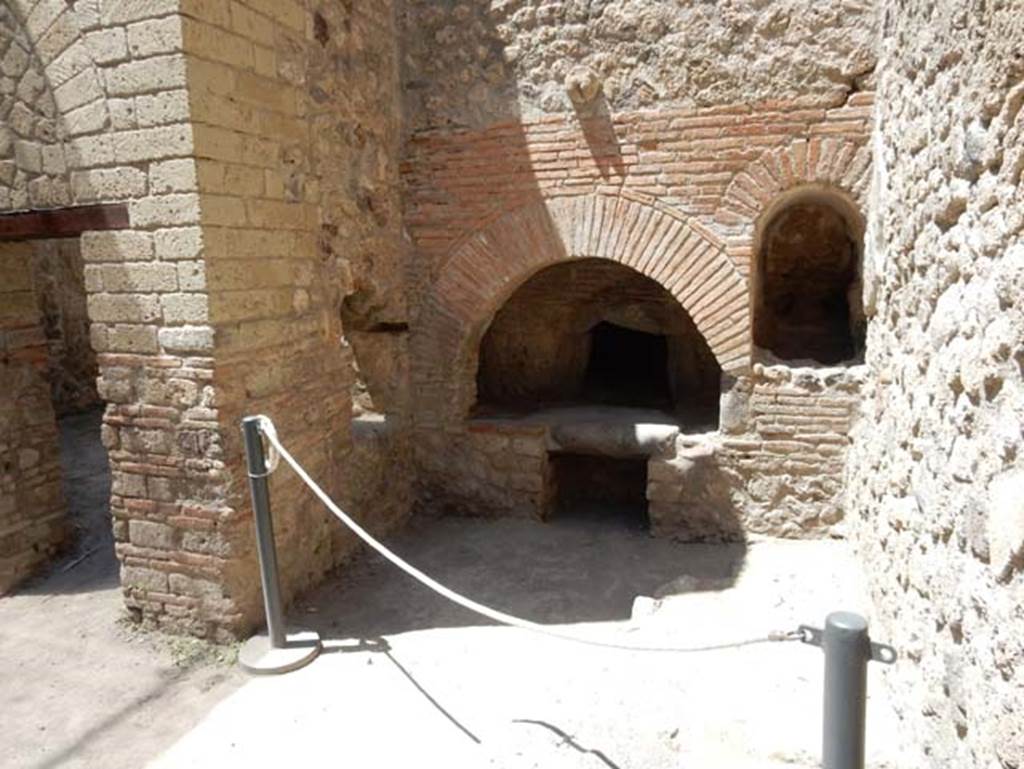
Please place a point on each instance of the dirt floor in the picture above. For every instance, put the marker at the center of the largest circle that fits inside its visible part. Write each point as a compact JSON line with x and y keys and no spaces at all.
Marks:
{"x":410,"y":680}
{"x":80,"y":687}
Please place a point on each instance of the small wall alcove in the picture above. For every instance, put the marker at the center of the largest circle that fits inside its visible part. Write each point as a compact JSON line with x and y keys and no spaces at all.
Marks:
{"x":807,"y":287}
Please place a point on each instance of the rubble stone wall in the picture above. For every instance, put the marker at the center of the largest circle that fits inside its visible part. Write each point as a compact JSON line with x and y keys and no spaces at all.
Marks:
{"x":471,"y":64}
{"x":355,"y":115}
{"x":935,"y":482}
{"x":485,"y":469}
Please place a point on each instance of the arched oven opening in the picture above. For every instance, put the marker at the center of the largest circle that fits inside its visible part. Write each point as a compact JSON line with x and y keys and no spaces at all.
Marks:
{"x":594,"y":333}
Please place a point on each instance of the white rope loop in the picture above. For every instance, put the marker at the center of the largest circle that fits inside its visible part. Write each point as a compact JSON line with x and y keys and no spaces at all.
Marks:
{"x":268,"y":430}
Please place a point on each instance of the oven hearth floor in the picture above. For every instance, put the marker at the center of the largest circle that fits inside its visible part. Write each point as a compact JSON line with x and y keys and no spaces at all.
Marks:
{"x":615,"y":431}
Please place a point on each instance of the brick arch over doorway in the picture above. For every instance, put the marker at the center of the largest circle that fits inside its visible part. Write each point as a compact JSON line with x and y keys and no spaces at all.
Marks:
{"x":486,"y":267}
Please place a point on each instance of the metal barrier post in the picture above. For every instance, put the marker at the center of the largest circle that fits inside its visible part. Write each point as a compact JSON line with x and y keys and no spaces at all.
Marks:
{"x":848,"y":649}
{"x":259,"y":489}
{"x":275,"y":651}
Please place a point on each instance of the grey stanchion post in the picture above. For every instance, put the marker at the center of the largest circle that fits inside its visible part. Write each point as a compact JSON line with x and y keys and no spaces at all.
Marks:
{"x":848,"y":649}
{"x":277,"y":650}
{"x":256,"y":462}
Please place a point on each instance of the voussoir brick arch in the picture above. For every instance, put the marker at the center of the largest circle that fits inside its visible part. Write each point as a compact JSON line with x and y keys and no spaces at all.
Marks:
{"x":816,"y":162}
{"x":485,"y":268}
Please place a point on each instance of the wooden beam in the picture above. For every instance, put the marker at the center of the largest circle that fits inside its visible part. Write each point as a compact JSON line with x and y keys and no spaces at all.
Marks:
{"x":69,"y":222}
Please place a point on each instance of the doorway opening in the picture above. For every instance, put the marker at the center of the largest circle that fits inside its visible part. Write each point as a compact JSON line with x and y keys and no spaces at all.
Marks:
{"x":627,"y":368}
{"x":58,"y":281}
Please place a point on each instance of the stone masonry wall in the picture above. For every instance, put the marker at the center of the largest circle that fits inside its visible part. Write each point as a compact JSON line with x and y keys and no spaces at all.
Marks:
{"x":485,"y":469}
{"x":279,"y":180}
{"x":270,"y":326}
{"x":356,"y":123}
{"x":32,"y":164}
{"x":936,"y":473}
{"x":223,"y":297}
{"x":472,"y":64}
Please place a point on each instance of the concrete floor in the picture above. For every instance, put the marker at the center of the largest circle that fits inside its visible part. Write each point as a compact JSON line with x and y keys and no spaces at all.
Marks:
{"x":410,"y":680}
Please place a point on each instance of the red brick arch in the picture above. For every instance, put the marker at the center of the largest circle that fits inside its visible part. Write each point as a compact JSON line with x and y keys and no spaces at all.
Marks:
{"x":486,"y":267}
{"x":818,"y":161}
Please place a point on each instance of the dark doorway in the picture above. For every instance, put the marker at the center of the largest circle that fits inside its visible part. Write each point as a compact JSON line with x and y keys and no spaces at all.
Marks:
{"x":627,"y":368}
{"x":601,"y":487}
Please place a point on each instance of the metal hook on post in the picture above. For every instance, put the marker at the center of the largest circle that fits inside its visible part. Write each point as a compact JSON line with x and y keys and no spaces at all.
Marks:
{"x":276,"y":650}
{"x":848,"y":649}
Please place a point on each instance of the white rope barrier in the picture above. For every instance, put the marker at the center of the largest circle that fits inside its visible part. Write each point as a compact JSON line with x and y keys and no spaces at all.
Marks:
{"x":279,"y":451}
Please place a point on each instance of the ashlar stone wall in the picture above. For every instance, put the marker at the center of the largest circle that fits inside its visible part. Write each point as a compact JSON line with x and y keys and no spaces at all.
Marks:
{"x":935,"y":483}
{"x":32,"y":164}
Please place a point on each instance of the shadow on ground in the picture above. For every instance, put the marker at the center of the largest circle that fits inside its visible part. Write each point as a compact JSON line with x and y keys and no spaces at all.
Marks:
{"x":587,"y":566}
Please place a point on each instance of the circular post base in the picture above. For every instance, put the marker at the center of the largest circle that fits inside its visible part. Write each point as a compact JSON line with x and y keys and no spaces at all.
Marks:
{"x":258,"y":657}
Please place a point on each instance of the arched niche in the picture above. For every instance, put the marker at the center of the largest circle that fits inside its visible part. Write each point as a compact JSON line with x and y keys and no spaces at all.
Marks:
{"x":806,"y":286}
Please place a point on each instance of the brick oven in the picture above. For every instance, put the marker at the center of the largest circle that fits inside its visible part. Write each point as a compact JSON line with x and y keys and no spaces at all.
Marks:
{"x":686,"y":319}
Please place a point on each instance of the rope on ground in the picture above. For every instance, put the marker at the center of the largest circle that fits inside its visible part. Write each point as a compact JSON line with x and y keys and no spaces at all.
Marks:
{"x":267,"y":427}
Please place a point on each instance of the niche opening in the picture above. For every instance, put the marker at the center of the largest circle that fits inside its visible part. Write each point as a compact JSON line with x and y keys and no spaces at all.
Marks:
{"x":606,"y":488}
{"x":808,"y":305}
